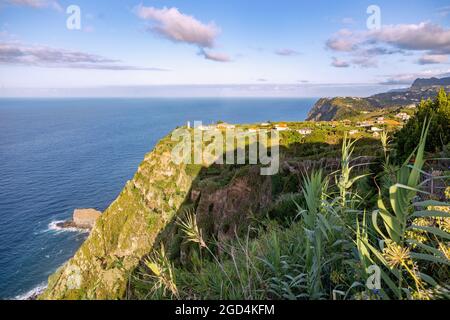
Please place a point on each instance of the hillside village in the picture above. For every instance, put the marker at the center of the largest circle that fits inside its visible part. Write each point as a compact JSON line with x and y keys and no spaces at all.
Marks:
{"x":368,"y":124}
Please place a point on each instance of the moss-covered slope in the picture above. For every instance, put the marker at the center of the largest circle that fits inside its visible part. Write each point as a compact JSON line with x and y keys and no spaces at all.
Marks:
{"x":125,"y":232}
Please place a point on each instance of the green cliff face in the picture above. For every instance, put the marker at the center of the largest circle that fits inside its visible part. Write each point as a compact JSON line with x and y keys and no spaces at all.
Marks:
{"x":125,"y":232}
{"x":338,"y":108}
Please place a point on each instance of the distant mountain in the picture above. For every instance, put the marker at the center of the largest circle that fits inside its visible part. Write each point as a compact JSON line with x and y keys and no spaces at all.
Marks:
{"x":419,"y":83}
{"x":339,"y":108}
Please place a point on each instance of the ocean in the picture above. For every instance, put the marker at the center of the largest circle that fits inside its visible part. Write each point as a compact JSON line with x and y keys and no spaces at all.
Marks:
{"x":60,"y":154}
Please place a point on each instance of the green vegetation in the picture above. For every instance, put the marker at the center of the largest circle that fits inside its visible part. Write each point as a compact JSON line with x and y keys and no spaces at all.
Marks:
{"x":324,"y":246}
{"x":438,"y":111}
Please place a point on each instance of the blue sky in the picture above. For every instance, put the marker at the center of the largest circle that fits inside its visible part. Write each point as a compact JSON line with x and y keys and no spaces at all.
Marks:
{"x":298,"y":47}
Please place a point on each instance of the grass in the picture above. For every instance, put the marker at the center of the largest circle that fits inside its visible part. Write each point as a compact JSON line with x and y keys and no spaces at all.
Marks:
{"x":325,"y":249}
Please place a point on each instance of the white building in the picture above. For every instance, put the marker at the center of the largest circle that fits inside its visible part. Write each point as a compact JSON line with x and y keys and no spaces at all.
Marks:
{"x":206,"y":128}
{"x":224,"y":126}
{"x":281,"y":127}
{"x":305,"y":131}
{"x":376,"y":129}
{"x":365,"y":124}
{"x":403,"y":116}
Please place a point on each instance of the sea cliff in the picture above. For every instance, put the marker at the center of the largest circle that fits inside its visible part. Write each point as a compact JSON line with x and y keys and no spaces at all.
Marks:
{"x":340,"y":108}
{"x":125,"y":231}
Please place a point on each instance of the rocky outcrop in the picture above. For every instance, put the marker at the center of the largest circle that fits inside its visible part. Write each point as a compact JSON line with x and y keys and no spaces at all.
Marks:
{"x":85,"y":218}
{"x":82,"y":219}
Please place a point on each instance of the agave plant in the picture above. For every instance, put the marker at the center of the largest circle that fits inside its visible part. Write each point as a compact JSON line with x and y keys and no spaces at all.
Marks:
{"x":396,"y":251}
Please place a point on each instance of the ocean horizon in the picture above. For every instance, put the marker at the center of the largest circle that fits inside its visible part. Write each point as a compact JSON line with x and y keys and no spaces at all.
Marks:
{"x":60,"y":154}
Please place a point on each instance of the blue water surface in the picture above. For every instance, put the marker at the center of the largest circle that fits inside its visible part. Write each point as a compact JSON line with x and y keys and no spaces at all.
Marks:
{"x":60,"y":154}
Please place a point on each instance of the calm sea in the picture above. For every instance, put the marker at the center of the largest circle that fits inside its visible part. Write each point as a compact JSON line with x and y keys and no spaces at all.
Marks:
{"x":60,"y":154}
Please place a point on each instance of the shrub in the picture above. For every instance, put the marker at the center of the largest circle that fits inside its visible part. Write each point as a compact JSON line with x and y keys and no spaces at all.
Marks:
{"x":285,"y":207}
{"x":438,"y":112}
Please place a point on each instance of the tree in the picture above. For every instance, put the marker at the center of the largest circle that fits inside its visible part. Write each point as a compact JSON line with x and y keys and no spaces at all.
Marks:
{"x":438,"y":111}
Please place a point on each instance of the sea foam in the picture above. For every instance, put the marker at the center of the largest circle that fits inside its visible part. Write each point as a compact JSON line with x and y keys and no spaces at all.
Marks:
{"x":33,"y":293}
{"x":54,"y":226}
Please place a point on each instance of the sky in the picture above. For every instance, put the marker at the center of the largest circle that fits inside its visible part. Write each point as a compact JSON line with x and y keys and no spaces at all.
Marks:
{"x":206,"y":47}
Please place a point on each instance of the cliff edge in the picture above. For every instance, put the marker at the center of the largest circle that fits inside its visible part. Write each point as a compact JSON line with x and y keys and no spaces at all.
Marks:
{"x":125,"y":232}
{"x":340,"y":108}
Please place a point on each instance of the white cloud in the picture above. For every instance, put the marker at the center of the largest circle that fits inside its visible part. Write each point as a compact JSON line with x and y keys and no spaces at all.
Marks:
{"x":215,"y":56}
{"x":171,"y":24}
{"x":339,"y":63}
{"x":365,"y":62}
{"x":343,"y":41}
{"x":287,"y":52}
{"x":431,"y":39}
{"x":433,"y":59}
{"x":422,"y":36}
{"x":408,"y":78}
{"x":179,"y":27}
{"x":43,"y":56}
{"x":38,"y":4}
{"x":341,"y":44}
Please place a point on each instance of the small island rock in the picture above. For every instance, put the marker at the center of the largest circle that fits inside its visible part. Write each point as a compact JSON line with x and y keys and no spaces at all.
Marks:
{"x":85,"y":218}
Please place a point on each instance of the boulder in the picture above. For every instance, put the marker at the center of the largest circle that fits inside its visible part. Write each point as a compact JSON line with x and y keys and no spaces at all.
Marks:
{"x":85,"y":218}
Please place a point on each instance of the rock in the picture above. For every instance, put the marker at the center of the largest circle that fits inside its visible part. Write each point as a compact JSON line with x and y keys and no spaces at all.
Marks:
{"x":66,"y":224}
{"x":85,"y":218}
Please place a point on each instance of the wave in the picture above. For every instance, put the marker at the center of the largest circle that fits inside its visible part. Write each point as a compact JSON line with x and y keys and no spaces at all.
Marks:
{"x":55,"y":226}
{"x":33,"y":293}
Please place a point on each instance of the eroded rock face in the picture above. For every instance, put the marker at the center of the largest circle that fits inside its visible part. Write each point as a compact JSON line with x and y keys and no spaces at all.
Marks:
{"x":223,"y":212}
{"x":224,"y":208}
{"x":85,"y":218}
